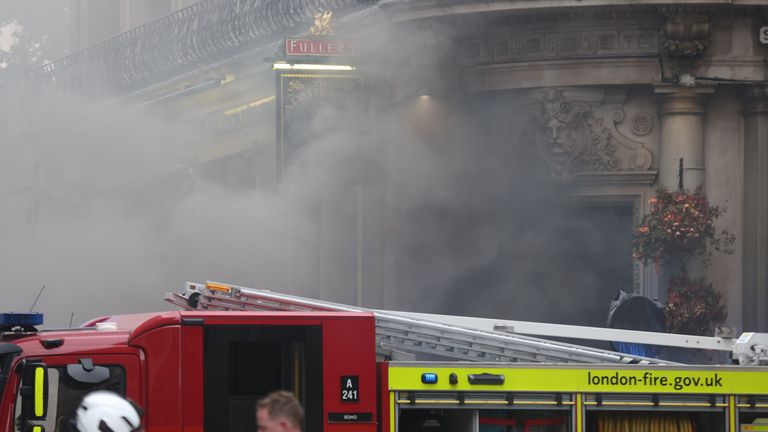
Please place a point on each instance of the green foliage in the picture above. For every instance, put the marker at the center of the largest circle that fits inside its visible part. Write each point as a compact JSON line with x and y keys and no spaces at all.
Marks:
{"x":680,"y":223}
{"x":693,"y":307}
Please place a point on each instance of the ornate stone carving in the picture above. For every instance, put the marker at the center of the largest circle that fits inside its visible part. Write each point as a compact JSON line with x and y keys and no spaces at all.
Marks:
{"x":590,"y":43}
{"x":579,"y":142}
{"x":642,"y":123}
{"x":323,"y":25}
{"x":686,"y":33}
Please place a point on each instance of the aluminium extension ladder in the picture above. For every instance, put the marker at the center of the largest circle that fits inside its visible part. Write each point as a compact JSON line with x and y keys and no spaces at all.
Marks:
{"x":400,"y":336}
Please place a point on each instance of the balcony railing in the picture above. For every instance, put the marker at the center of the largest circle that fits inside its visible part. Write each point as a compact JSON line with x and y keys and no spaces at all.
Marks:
{"x":180,"y":41}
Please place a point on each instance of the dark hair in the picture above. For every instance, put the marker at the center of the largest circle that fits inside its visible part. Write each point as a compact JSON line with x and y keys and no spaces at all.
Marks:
{"x":283,"y":404}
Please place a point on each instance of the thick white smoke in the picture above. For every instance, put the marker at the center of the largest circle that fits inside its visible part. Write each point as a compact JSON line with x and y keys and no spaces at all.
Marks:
{"x":436,"y":204}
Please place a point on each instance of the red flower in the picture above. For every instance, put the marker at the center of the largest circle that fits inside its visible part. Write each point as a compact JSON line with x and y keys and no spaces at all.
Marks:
{"x":679,"y":221}
{"x":693,"y":307}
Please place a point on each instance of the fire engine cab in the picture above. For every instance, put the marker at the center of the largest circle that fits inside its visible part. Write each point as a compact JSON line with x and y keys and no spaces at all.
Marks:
{"x":203,"y":368}
{"x":192,"y":371}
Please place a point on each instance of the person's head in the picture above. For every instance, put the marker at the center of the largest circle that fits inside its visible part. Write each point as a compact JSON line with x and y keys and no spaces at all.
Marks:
{"x":279,"y":411}
{"x":104,"y":411}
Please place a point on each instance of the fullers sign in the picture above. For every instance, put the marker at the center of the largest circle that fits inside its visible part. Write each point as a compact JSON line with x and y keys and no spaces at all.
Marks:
{"x":322,"y":48}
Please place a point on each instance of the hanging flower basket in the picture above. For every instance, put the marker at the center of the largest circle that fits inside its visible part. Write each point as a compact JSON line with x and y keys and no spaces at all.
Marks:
{"x":693,"y":307}
{"x":680,"y":223}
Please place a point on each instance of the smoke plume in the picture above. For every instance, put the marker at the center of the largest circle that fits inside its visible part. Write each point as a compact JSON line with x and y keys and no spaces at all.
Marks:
{"x":436,"y":203}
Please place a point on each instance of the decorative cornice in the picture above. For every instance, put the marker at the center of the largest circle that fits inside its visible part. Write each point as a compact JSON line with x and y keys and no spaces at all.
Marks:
{"x":645,"y":178}
{"x":526,"y":11}
{"x":204,"y":32}
{"x":560,"y":44}
{"x":603,"y":13}
{"x":687,"y":9}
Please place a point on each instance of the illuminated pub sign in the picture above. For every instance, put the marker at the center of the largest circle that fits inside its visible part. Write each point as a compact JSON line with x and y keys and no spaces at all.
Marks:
{"x":319,"y":45}
{"x":322,"y":48}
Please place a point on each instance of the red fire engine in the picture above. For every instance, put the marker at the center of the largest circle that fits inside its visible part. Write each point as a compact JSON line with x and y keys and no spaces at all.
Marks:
{"x":202,"y":369}
{"x":195,"y":371}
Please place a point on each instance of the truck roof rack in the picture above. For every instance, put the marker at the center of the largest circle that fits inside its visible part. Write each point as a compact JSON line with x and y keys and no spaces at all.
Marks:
{"x":402,"y":336}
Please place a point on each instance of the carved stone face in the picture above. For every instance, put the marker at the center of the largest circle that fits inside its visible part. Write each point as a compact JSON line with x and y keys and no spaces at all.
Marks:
{"x":568,"y":132}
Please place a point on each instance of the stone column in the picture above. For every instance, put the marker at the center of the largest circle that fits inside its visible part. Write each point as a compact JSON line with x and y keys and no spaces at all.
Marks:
{"x":755,"y":241}
{"x":681,"y":117}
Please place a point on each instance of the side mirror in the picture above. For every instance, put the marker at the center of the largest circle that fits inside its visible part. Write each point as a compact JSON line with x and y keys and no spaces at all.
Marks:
{"x":34,"y":392}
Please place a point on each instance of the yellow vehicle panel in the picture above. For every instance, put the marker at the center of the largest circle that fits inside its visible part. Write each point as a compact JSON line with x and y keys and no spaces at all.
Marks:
{"x":581,"y":378}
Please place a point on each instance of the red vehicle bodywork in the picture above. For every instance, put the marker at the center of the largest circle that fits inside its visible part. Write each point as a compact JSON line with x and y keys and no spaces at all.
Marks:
{"x":163,"y":355}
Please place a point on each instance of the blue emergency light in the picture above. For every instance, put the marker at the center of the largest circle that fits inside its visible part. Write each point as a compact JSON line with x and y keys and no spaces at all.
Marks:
{"x":20,"y":319}
{"x":429,"y":378}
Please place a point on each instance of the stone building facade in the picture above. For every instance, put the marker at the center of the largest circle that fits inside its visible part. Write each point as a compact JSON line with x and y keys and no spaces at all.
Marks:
{"x":95,"y":21}
{"x":615,"y":95}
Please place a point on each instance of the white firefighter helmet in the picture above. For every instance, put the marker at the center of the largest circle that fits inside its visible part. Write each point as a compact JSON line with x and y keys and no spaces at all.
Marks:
{"x":104,"y":411}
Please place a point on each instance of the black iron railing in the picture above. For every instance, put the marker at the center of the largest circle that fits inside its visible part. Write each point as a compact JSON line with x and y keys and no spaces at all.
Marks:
{"x":177,"y":42}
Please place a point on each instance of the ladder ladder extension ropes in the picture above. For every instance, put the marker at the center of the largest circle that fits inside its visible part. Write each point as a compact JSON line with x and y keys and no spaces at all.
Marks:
{"x":399,"y":335}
